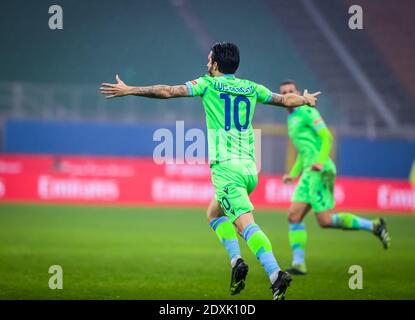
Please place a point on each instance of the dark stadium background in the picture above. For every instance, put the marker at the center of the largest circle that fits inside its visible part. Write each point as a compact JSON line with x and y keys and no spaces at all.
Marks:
{"x":54,"y":124}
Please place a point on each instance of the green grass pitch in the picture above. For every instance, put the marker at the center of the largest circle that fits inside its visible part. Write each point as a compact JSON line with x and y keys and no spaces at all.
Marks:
{"x":154,"y":253}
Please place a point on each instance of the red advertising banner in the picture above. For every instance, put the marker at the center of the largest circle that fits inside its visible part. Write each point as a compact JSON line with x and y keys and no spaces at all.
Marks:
{"x":140,"y":181}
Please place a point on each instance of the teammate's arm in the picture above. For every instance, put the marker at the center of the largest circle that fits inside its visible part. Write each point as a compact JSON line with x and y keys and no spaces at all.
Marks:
{"x":295,"y":170}
{"x":317,"y":123}
{"x":325,"y":149}
{"x":120,"y":89}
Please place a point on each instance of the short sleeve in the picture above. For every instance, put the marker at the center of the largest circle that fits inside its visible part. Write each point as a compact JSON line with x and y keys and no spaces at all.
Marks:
{"x":197,"y":87}
{"x":315,"y":120}
{"x":264,"y":95}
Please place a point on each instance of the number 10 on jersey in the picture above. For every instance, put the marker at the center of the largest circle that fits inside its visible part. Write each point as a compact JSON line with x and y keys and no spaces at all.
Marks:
{"x":236,"y":109}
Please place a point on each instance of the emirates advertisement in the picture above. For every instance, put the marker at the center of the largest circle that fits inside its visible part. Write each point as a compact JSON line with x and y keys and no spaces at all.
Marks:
{"x":140,"y":181}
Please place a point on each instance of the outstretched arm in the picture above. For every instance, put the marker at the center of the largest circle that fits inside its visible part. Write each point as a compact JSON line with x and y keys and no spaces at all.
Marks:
{"x":120,"y":89}
{"x":291,"y":100}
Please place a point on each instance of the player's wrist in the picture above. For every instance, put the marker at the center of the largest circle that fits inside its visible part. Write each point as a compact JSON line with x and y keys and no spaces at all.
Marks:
{"x":128,"y":91}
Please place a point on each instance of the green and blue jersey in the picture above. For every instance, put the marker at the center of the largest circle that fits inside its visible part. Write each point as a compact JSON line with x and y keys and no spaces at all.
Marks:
{"x":229,"y":104}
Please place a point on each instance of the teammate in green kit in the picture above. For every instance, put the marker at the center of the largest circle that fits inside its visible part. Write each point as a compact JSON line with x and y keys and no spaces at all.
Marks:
{"x":315,"y":190}
{"x":229,"y":105}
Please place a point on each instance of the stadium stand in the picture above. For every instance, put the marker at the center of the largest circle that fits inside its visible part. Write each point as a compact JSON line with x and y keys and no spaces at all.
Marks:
{"x":363,"y":46}
{"x":390,"y":27}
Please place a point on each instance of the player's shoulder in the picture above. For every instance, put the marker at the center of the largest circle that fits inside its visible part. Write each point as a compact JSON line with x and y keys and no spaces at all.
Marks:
{"x":205,"y":79}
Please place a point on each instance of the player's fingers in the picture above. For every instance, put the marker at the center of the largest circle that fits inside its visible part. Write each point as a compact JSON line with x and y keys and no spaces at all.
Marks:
{"x":119,"y":81}
{"x":315,"y":94}
{"x":107,"y":88}
{"x":305,"y":91}
{"x":110,"y":97}
{"x":111,"y":85}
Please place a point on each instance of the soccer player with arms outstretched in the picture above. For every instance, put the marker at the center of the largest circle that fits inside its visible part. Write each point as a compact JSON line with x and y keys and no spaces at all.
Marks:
{"x":315,"y":190}
{"x":229,"y":105}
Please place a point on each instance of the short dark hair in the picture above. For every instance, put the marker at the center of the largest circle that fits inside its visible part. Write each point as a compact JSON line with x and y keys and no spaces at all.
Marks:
{"x":289,"y":81}
{"x":226,"y":55}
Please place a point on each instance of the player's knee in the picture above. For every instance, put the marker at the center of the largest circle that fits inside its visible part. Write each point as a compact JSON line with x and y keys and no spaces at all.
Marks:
{"x":243,"y":221}
{"x":239,"y":229}
{"x":213,"y":211}
{"x":294,"y":217}
{"x":323,"y":224}
{"x":324,"y":219}
{"x":211,"y":214}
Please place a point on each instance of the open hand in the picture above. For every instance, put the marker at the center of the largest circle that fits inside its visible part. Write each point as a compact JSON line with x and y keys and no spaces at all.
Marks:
{"x":317,"y":167}
{"x":118,"y":89}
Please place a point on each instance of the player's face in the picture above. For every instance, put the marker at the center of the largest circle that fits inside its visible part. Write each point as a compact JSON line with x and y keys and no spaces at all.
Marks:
{"x":212,"y":67}
{"x":288,"y":88}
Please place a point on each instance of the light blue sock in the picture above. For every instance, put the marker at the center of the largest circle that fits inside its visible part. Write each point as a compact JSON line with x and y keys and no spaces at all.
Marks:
{"x":297,"y":235}
{"x":260,"y":245}
{"x":227,"y":236}
{"x":349,"y":221}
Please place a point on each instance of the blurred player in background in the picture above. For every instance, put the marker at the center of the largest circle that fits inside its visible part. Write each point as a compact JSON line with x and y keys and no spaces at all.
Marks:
{"x":229,"y":104}
{"x":315,"y":190}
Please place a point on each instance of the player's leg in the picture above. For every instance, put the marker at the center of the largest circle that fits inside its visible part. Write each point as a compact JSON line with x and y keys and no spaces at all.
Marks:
{"x":226,"y":233}
{"x":322,"y":200}
{"x":232,"y":185}
{"x":258,"y":243}
{"x":261,"y":247}
{"x":323,"y":203}
{"x":350,"y":221}
{"x":225,"y":230}
{"x":297,"y":236}
{"x":241,"y":207}
{"x":221,"y":216}
{"x":343,"y":220}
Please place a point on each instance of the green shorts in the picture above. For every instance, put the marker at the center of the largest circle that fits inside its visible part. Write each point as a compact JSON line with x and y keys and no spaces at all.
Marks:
{"x":233,"y":183}
{"x":316,"y":189}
